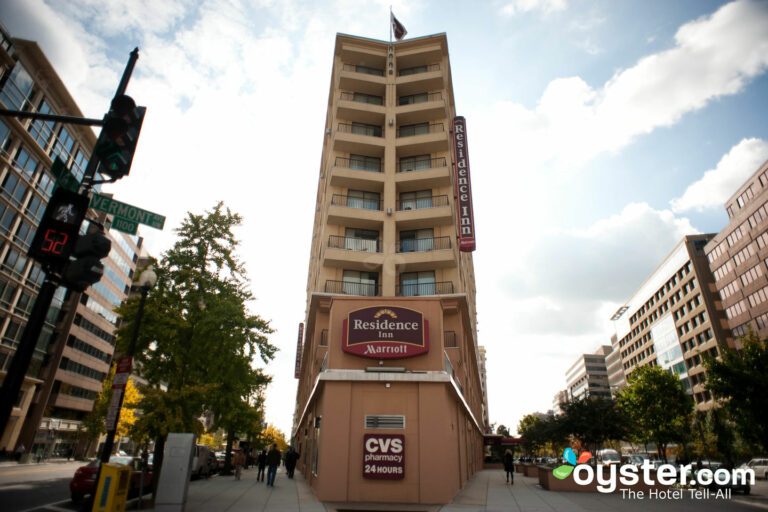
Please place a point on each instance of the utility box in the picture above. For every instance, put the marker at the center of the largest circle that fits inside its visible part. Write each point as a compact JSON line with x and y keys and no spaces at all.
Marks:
{"x":171,"y":493}
{"x":112,"y":489}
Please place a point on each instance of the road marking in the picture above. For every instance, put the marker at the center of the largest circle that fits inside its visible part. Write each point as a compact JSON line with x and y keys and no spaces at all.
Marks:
{"x":38,"y":507}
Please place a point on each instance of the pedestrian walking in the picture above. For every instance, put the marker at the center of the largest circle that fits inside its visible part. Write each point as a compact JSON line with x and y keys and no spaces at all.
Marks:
{"x":509,"y":466}
{"x":273,"y":461}
{"x":290,"y":461}
{"x":261,"y":462}
{"x":239,"y":463}
{"x":20,"y":451}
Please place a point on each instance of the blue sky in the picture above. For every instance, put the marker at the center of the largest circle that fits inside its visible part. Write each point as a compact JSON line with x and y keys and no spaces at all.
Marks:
{"x":600,"y":133}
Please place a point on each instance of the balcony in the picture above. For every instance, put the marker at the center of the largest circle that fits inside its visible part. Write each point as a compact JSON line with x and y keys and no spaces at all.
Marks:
{"x":363,"y":69}
{"x":363,"y":79}
{"x":421,"y":203}
{"x":352,"y":288}
{"x":359,"y":138}
{"x":449,"y":339}
{"x":422,"y":174}
{"x":416,"y":79}
{"x":356,"y":202}
{"x":356,"y":212}
{"x":354,"y":244}
{"x":420,"y":129}
{"x":360,"y":163}
{"x":361,"y":107}
{"x":419,"y":164}
{"x":358,"y":173}
{"x":424,"y":289}
{"x":421,"y":138}
{"x":423,"y":107}
{"x":424,"y":244}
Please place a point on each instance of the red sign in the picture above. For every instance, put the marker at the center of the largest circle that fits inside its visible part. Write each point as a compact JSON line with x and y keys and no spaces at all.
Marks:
{"x":385,"y":332}
{"x":122,"y":372}
{"x":384,"y":456}
{"x":465,"y":216}
{"x":299,"y":347}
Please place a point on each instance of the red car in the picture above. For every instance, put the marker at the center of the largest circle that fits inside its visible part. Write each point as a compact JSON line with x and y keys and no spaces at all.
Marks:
{"x":84,"y":481}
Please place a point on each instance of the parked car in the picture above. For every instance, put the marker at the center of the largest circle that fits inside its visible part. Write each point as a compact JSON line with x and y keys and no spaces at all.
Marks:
{"x":220,"y":458}
{"x":760,"y":466}
{"x":607,"y":456}
{"x":714,"y":466}
{"x":83,"y":483}
{"x":634,"y":459}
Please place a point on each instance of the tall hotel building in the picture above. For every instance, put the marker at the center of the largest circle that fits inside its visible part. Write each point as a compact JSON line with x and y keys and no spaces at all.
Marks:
{"x":738,"y":256}
{"x":74,"y":351}
{"x":390,"y":402}
{"x":673,"y":320}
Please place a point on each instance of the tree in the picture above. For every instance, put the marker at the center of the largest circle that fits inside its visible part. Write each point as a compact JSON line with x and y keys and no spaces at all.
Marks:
{"x":271,"y":435}
{"x":531,"y":429}
{"x":657,"y":407}
{"x":739,"y":381}
{"x":592,"y":421}
{"x":502,"y":431}
{"x":198,"y":338}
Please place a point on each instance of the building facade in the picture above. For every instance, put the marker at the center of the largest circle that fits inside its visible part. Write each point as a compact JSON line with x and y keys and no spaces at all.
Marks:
{"x":738,"y":256}
{"x":391,"y":400}
{"x":674,"y":318}
{"x":74,"y":352}
{"x":588,"y":376}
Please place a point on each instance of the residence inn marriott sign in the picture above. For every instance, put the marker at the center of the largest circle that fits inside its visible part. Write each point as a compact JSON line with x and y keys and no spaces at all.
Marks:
{"x":385,"y":332}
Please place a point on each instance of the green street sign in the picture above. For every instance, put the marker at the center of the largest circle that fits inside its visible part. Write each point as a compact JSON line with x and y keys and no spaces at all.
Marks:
{"x":126,"y":212}
{"x":63,"y":176}
{"x":126,"y":226}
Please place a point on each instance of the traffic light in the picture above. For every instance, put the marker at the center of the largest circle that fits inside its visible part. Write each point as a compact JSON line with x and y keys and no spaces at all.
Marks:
{"x":86,"y":269}
{"x":57,"y":232}
{"x":118,"y":138}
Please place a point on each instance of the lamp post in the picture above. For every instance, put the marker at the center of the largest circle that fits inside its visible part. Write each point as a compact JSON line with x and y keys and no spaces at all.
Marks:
{"x":146,"y":281}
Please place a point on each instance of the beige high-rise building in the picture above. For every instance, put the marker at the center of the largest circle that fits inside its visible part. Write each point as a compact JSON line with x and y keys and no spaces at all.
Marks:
{"x":391,"y":402}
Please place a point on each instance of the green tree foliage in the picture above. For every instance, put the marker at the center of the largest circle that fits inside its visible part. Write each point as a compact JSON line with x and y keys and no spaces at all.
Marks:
{"x":531,"y":429}
{"x":592,"y":421}
{"x":739,"y":381}
{"x":502,"y":430}
{"x":657,"y":407}
{"x":198,"y":339}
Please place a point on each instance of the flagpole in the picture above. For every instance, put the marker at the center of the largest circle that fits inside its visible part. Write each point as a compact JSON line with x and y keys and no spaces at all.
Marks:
{"x":390,"y":24}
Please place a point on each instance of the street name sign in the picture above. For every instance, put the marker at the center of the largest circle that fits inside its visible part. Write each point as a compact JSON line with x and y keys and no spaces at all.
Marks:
{"x":131,"y":215}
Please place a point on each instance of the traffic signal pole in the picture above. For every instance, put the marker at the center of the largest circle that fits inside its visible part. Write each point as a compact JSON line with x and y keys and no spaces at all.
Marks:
{"x":17,"y":369}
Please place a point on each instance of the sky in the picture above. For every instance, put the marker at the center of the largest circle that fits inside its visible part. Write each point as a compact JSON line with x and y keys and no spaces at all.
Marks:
{"x":601,"y":133}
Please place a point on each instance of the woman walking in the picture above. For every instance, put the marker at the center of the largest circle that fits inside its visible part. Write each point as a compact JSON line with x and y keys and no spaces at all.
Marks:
{"x":509,"y":466}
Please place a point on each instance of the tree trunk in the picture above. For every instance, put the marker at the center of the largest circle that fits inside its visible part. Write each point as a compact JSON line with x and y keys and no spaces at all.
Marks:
{"x":157,"y":465}
{"x":228,"y":454}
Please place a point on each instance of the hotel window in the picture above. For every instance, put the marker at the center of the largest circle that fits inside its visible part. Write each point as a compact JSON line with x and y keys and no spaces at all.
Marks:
{"x":415,"y":163}
{"x":7,"y":219}
{"x":35,"y":208}
{"x":367,"y":98}
{"x":417,"y":240}
{"x":413,"y":70}
{"x":413,"y":129}
{"x":24,"y":234}
{"x":363,"y":199}
{"x":17,"y":88}
{"x":365,"y":163}
{"x":368,"y":70}
{"x":15,"y":263}
{"x":417,"y":283}
{"x":13,"y":189}
{"x":357,"y":282}
{"x":413,"y":98}
{"x":416,"y":200}
{"x":361,"y":240}
{"x":63,"y":145}
{"x":45,"y":184}
{"x":366,"y":129}
{"x":42,"y":131}
{"x":79,"y":164}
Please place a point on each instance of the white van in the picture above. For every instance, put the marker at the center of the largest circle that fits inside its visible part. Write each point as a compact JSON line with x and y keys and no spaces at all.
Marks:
{"x":201,"y":461}
{"x":608,"y":456}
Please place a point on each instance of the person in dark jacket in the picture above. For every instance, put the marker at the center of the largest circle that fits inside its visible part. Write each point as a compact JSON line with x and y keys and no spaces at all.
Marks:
{"x":290,"y":461}
{"x":273,"y":461}
{"x":509,"y":466}
{"x":261,"y":462}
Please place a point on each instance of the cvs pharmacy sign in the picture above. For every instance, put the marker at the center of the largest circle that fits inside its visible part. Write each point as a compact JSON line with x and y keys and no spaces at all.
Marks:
{"x":384,"y":456}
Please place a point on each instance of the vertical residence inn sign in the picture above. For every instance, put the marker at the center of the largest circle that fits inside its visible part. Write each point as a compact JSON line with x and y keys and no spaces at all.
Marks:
{"x":385,"y":332}
{"x":465,"y":217}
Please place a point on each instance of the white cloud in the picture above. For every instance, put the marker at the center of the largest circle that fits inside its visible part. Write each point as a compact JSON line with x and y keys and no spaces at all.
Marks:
{"x":545,"y":6}
{"x":719,"y":184}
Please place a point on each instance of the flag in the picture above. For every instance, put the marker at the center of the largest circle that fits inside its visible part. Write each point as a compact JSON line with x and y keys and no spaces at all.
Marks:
{"x":397,"y":28}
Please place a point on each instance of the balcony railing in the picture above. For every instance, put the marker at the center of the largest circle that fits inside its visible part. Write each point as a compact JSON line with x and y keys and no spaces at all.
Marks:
{"x":418,"y":69}
{"x":324,"y":338}
{"x":424,"y":244}
{"x":449,"y":338}
{"x":420,"y":289}
{"x":419,"y":164}
{"x":362,"y":98}
{"x":363,"y":69}
{"x":358,"y":163}
{"x":357,"y":202}
{"x":420,"y":129}
{"x":351,"y":288}
{"x":354,"y":244}
{"x":421,"y":203}
{"x":361,"y":129}
{"x":424,"y":97}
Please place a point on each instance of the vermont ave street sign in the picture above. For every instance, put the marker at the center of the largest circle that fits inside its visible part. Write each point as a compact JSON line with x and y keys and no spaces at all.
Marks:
{"x":126,"y":212}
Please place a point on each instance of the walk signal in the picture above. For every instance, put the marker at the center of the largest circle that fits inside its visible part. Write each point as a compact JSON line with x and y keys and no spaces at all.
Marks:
{"x":117,"y":141}
{"x":87,"y":268}
{"x":57,"y":233}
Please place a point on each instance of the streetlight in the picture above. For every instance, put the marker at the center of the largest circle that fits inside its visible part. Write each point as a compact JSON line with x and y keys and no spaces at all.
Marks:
{"x":147,"y":280}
